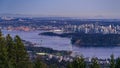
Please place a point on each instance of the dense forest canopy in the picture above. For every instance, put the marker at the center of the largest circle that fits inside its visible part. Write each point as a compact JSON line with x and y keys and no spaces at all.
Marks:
{"x":96,"y":39}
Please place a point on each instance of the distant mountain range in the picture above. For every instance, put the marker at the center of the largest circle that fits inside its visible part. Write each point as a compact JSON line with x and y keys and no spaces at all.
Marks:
{"x":15,"y":15}
{"x":99,"y":17}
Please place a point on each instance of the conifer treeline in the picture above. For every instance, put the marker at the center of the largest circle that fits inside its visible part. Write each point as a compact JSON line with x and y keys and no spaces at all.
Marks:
{"x":79,"y":62}
{"x":12,"y":52}
{"x":14,"y":55}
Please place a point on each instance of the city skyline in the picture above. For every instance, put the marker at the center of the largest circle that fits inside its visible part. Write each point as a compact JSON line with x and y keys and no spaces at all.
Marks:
{"x":67,"y":8}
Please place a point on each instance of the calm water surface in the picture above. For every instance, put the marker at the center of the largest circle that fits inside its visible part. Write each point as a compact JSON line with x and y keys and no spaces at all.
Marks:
{"x":59,"y":43}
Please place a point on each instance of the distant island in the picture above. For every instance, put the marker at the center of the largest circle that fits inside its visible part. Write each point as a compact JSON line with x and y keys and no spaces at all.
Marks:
{"x":96,"y":39}
{"x":56,"y":34}
{"x":82,"y":39}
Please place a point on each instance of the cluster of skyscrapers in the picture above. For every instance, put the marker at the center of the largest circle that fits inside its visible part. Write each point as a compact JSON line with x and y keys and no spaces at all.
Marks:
{"x":94,"y":28}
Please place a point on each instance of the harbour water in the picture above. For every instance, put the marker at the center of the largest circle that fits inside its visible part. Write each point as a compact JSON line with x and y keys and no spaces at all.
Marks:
{"x":59,"y":43}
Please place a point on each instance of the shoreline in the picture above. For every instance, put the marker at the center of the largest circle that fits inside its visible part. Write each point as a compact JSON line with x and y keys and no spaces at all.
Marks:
{"x":30,"y":47}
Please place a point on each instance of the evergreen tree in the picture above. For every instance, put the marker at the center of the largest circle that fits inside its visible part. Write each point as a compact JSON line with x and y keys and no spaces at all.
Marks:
{"x":11,"y":50}
{"x":3,"y":53}
{"x":54,"y":66}
{"x":21,"y":57}
{"x":112,"y":62}
{"x":95,"y":63}
{"x":78,"y":63}
{"x":117,"y":65}
{"x":13,"y":53}
{"x":69,"y":65}
{"x":39,"y":64}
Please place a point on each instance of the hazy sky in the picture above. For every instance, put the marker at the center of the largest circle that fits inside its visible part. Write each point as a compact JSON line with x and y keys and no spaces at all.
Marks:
{"x":72,"y":8}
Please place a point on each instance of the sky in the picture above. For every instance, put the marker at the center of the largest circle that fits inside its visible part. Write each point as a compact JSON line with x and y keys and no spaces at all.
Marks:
{"x":67,"y":8}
